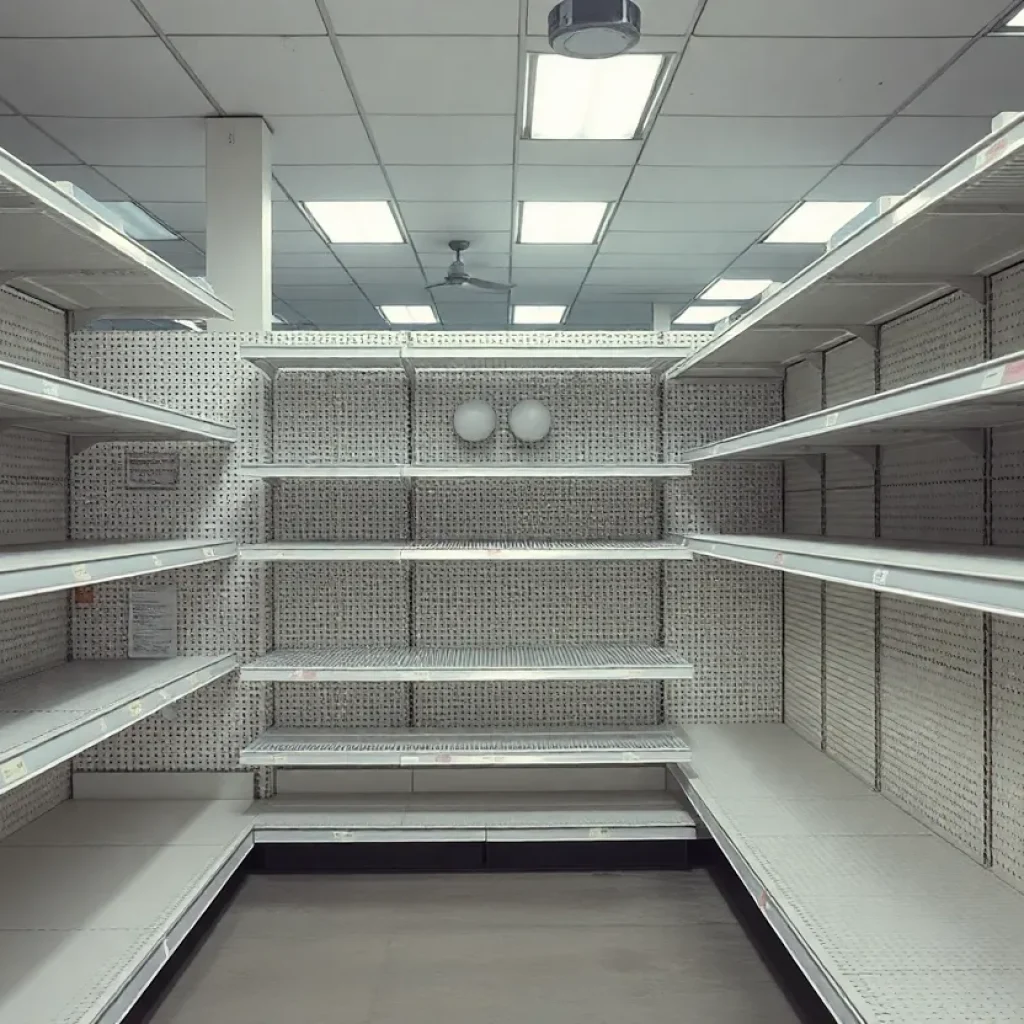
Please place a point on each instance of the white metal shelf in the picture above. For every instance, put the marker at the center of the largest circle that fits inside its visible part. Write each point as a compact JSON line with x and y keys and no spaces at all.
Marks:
{"x":56,"y":249}
{"x":470,"y":664}
{"x":100,"y":894}
{"x":50,"y":716}
{"x":465,"y":551}
{"x":494,"y":817}
{"x":987,"y":395}
{"x":315,"y":748}
{"x":887,"y":920}
{"x":273,"y":358}
{"x":491,"y":471}
{"x":988,"y":579}
{"x":27,"y":569}
{"x":40,"y":401}
{"x":957,"y":226}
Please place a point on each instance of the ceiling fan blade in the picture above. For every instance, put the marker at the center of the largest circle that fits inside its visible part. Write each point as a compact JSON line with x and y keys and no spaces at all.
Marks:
{"x":490,"y":286}
{"x":440,"y":284}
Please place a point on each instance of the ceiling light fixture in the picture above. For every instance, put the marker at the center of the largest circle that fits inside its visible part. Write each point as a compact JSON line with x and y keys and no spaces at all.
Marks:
{"x":561,"y":223}
{"x":1015,"y":24}
{"x":356,"y":223}
{"x":538,"y":314}
{"x":137,"y":224}
{"x":408,"y":314}
{"x":705,"y":315}
{"x":608,"y":99}
{"x":734,"y":289}
{"x":592,"y":29}
{"x":814,"y":223}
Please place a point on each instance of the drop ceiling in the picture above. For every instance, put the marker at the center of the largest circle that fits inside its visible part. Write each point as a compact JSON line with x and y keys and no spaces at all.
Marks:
{"x":420,"y":104}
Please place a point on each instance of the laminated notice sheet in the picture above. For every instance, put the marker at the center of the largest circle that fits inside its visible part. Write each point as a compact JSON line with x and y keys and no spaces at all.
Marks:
{"x":153,"y":622}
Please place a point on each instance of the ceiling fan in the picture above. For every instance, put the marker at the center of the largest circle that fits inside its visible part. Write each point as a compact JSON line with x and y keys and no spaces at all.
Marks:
{"x":459,"y":277}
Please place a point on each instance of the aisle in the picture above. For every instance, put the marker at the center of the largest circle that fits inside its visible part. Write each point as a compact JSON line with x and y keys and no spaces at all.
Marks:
{"x":477,"y":949}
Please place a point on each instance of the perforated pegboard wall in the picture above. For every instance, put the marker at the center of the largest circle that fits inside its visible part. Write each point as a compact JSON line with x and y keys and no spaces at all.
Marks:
{"x":1007,"y":305}
{"x":850,"y":494}
{"x":802,"y":389}
{"x":34,"y":798}
{"x":32,"y":334}
{"x":850,"y":679}
{"x":1008,"y":750}
{"x":341,"y":510}
{"x":849,"y":372}
{"x":33,"y":634}
{"x":344,"y":706}
{"x":1008,"y":486}
{"x":802,"y":679}
{"x":932,"y":693}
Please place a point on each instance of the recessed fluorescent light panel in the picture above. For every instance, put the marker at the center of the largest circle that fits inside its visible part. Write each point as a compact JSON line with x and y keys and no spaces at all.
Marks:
{"x":592,"y":99}
{"x":561,"y":223}
{"x":137,"y":224}
{"x":1016,"y":23}
{"x":734,"y":290}
{"x":408,"y":314}
{"x":356,"y":223}
{"x":815,"y":223}
{"x":538,"y":314}
{"x":705,"y":315}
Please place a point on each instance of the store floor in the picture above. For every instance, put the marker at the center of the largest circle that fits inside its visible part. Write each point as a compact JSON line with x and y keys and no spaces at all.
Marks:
{"x":477,"y":949}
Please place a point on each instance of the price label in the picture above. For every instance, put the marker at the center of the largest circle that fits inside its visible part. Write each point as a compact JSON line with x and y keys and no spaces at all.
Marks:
{"x":762,"y":900}
{"x":164,"y":695}
{"x":80,"y":573}
{"x":779,"y":558}
{"x":209,"y":553}
{"x":993,"y":378}
{"x":158,"y":562}
{"x":831,"y":419}
{"x":305,"y":674}
{"x":1013,"y":372}
{"x":495,"y":552}
{"x":135,"y":708}
{"x":880,"y":577}
{"x":104,"y":729}
{"x":342,"y":835}
{"x":716,"y":449}
{"x":51,"y":390}
{"x":11,"y":771}
{"x":278,"y":758}
{"x":599,"y":833}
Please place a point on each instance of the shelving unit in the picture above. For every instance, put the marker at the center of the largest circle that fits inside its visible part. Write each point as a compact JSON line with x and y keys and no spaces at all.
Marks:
{"x":313,"y":748}
{"x":27,"y":569}
{"x":54,"y":248}
{"x":985,"y":579}
{"x":510,"y":471}
{"x":470,"y":664}
{"x":48,"y":717}
{"x":33,"y":400}
{"x":945,"y":235}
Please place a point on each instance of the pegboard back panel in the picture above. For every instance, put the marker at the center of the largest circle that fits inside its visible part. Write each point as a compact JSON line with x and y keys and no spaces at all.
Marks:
{"x":524,"y":705}
{"x":341,"y":705}
{"x":538,"y":510}
{"x":701,"y":412}
{"x":1008,"y":750}
{"x":597,"y":416}
{"x":32,"y":334}
{"x":1008,"y":486}
{"x":34,"y":798}
{"x":491,"y":604}
{"x":341,"y":510}
{"x":945,"y":335}
{"x":34,"y":634}
{"x":932,"y":717}
{"x":802,"y":653}
{"x":849,"y":494}
{"x":1007,"y":304}
{"x":802,"y":389}
{"x":850,"y":679}
{"x":727,"y":618}
{"x":803,"y":511}
{"x":849,"y":372}
{"x":726,"y":498}
{"x":33,"y":487}
{"x":550,"y":339}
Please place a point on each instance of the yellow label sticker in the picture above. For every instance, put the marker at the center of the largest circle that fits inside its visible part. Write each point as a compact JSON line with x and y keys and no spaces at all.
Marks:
{"x":341,"y":835}
{"x":51,"y":390}
{"x":135,"y":708}
{"x":11,"y":771}
{"x":81,"y":573}
{"x":209,"y":553}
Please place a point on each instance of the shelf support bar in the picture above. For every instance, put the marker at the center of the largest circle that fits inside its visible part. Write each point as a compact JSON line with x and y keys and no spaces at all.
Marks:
{"x":869,"y":334}
{"x":972,"y":286}
{"x":968,"y":440}
{"x":862,"y":453}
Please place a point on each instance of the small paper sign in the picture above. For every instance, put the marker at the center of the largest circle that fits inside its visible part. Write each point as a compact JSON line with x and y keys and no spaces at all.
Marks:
{"x":153,"y":622}
{"x":152,"y":471}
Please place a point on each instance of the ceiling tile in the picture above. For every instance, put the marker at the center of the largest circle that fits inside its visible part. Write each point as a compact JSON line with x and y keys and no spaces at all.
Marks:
{"x":397,"y":294}
{"x":822,"y":77}
{"x":722,"y":184}
{"x":376,"y":255}
{"x":179,"y":252}
{"x":269,"y":74}
{"x":333,"y":275}
{"x":491,"y":262}
{"x":304,"y":259}
{"x":555,"y":183}
{"x":28,"y":143}
{"x":97,"y":78}
{"x":677,"y":297}
{"x":480,"y":241}
{"x":448,"y":76}
{"x":440,"y":139}
{"x":640,"y":278}
{"x":298,"y":241}
{"x":160,"y":184}
{"x":485,"y":315}
{"x":62,"y":19}
{"x":611,"y":315}
{"x":693,"y":266}
{"x":286,"y":217}
{"x":578,"y":152}
{"x":691,"y":242}
{"x":354,"y":312}
{"x":85,"y":178}
{"x":132,"y":142}
{"x":698,"y":216}
{"x":237,"y":17}
{"x":552,"y":255}
{"x":551,"y":277}
{"x":755,"y":141}
{"x":843,"y":18}
{"x":660,"y":17}
{"x":984,"y":82}
{"x":320,"y":140}
{"x":456,"y":217}
{"x":180,"y":216}
{"x":452,"y":18}
{"x":318,"y":293}
{"x":449,"y":183}
{"x":333,"y":182}
{"x":850,"y":182}
{"x":403,"y":277}
{"x":197,"y":238}
{"x":921,"y":140}
{"x":778,"y":257}
{"x":545,"y":295}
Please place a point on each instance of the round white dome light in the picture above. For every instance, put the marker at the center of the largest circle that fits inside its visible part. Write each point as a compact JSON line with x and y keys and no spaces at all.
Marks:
{"x":530,"y":421}
{"x":474,"y":421}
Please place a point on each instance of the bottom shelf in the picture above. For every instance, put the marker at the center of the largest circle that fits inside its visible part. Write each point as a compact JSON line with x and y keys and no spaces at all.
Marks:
{"x":473,"y":817}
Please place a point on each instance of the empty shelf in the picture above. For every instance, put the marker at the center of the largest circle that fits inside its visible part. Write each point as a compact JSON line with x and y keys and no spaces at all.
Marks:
{"x":887,"y":920}
{"x":100,"y":894}
{"x":986,"y":395}
{"x":40,"y":401}
{"x":473,"y":817}
{"x":982,"y":578}
{"x":48,"y":717}
{"x":465,"y":551}
{"x":943,"y":236}
{"x":494,"y":471}
{"x":27,"y":569}
{"x":470,"y":664}
{"x":309,"y":748}
{"x":56,"y":249}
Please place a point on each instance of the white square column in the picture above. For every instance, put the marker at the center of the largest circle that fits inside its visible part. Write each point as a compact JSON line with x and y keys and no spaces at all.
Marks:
{"x":239,"y":220}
